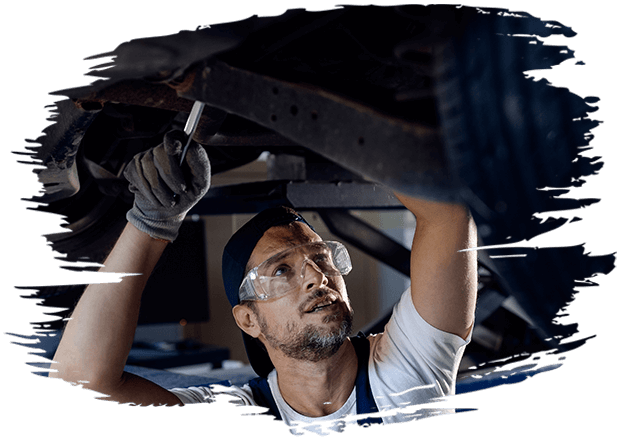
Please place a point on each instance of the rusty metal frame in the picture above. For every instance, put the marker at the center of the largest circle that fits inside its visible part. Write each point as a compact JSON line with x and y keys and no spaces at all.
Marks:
{"x":382,"y":148}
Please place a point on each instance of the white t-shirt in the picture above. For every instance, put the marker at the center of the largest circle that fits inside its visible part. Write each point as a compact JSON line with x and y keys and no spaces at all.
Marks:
{"x":410,"y":363}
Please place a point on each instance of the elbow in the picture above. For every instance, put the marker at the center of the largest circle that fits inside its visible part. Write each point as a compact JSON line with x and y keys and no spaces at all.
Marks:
{"x":90,"y":379}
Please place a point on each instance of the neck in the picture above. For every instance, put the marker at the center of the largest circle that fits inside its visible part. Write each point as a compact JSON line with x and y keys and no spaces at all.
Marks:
{"x":316,"y":389}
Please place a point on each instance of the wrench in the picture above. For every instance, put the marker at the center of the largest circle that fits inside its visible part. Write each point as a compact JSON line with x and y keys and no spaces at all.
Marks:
{"x":191,"y":124}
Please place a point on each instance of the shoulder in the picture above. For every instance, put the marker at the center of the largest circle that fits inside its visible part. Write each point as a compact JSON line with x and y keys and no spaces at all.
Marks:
{"x":407,"y":321}
{"x":412,"y":343}
{"x":412,"y":362}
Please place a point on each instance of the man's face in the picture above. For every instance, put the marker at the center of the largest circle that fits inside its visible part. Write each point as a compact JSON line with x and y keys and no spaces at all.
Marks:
{"x":312,"y":321}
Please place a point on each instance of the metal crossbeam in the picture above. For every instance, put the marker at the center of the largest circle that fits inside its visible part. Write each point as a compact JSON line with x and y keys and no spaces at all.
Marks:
{"x":254,"y":197}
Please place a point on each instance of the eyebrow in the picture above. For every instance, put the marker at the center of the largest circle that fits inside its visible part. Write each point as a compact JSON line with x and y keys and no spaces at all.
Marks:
{"x":317,"y":248}
{"x":276,"y":259}
{"x":250,"y":266}
{"x":291,"y":241}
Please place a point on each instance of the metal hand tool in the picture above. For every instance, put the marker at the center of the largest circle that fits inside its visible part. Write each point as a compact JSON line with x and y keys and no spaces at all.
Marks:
{"x":191,"y":124}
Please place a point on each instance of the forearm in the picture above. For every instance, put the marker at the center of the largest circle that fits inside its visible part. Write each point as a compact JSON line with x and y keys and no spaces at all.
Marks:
{"x":98,"y":337}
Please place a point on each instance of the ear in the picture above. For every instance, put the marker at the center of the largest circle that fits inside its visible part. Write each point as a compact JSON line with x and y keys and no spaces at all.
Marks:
{"x":246,"y":320}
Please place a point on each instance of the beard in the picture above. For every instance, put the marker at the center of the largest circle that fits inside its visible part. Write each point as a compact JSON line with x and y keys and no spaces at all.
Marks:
{"x":311,"y":342}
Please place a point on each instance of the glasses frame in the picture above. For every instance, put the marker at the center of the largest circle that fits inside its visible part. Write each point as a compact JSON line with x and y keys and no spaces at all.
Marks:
{"x":248,"y":290}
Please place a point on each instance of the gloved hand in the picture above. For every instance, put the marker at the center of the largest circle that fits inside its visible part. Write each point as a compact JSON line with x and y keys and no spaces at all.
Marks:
{"x":164,"y":190}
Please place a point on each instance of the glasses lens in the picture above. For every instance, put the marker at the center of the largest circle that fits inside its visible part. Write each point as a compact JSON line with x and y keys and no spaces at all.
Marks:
{"x":285,"y":271}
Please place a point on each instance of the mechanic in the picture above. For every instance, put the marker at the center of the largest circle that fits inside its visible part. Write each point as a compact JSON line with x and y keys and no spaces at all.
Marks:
{"x":289,"y":298}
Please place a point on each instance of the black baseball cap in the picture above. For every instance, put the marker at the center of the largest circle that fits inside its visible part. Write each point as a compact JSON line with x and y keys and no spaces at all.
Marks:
{"x":234,"y":261}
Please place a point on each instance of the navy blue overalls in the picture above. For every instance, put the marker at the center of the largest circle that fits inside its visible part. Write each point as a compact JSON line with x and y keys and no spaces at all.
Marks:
{"x":365,"y":401}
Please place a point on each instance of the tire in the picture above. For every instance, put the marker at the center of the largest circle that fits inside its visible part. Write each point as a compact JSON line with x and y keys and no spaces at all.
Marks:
{"x":507,"y":136}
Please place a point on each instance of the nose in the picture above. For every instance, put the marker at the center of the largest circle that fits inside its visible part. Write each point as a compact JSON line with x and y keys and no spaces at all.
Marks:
{"x":312,"y":275}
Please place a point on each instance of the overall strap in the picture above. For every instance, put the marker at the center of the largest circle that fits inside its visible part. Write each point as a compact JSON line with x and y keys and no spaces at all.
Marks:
{"x":263,"y":397}
{"x":364,"y":399}
{"x":363,"y":394}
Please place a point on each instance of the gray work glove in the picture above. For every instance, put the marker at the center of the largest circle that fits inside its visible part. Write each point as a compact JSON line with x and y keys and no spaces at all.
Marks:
{"x":164,"y":190}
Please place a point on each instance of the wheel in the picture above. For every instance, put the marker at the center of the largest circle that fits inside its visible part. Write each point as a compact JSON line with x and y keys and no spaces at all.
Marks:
{"x":509,"y":137}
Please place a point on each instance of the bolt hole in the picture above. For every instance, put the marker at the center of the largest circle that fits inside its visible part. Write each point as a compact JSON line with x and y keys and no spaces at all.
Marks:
{"x":360,"y":140}
{"x":275,"y":90}
{"x":274,"y":118}
{"x":314,"y":115}
{"x":294,"y":110}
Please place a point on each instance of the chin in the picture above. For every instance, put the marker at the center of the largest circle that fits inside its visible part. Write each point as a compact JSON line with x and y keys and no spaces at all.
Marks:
{"x":315,"y":343}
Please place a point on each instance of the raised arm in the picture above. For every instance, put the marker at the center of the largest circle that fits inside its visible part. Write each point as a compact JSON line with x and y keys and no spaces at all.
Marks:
{"x":443,"y":279}
{"x":98,"y":337}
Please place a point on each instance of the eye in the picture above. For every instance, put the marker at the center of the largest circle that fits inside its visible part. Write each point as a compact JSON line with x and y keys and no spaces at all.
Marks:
{"x":281,"y":271}
{"x":322,"y":260}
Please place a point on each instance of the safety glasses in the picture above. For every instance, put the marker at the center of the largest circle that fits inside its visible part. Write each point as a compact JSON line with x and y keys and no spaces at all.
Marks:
{"x":285,"y":271}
